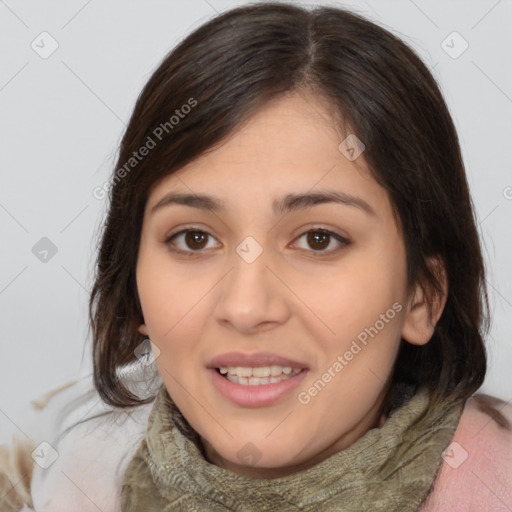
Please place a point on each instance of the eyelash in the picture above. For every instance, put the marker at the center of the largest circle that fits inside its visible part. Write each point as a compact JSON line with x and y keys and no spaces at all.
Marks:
{"x":342,"y":240}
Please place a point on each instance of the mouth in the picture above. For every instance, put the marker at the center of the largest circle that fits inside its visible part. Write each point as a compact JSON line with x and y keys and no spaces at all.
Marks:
{"x":256,"y":379}
{"x":258,"y":375}
{"x":252,"y":387}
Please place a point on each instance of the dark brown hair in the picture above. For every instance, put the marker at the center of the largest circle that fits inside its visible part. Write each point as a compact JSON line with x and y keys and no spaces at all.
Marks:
{"x":230,"y":67}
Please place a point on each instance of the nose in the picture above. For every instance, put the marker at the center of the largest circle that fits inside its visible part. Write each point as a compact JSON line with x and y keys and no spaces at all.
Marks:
{"x":253,"y":295}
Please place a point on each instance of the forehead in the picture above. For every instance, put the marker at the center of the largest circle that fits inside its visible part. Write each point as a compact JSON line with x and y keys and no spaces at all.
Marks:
{"x":290,"y":128}
{"x":289,"y":146}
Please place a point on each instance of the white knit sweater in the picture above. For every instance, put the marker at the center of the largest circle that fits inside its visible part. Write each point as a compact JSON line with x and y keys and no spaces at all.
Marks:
{"x":93,"y":455}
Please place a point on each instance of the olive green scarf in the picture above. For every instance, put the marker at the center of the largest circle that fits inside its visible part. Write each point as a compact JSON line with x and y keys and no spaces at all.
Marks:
{"x":388,"y":469}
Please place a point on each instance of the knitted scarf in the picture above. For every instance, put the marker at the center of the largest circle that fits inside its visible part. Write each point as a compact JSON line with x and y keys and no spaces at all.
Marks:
{"x":388,"y":469}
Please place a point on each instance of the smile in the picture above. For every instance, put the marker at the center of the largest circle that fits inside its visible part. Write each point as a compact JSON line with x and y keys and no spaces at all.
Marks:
{"x":258,"y":376}
{"x":256,"y":391}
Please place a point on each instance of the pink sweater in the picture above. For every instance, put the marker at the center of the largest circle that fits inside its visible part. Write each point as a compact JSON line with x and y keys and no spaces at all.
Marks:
{"x":475,"y":476}
{"x":476,"y":473}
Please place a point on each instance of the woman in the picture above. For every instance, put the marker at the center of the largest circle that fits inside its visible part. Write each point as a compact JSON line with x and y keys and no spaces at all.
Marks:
{"x":291,"y":242}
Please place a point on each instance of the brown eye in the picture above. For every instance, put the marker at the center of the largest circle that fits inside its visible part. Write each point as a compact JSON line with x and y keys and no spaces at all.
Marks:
{"x":195,"y":239}
{"x":189,"y":241}
{"x":320,"y":239}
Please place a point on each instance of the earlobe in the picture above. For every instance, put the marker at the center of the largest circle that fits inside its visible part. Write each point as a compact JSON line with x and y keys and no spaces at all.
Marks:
{"x":418,"y":327}
{"x":143,"y":329}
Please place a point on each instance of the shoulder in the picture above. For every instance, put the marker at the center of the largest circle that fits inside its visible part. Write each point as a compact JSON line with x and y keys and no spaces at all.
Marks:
{"x":84,"y":449}
{"x":476,"y":471}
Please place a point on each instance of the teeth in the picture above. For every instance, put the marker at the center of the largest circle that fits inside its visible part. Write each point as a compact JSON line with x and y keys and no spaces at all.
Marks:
{"x":252,"y":380}
{"x":259,"y":371}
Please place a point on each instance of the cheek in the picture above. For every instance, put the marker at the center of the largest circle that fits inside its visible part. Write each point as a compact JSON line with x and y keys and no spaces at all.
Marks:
{"x":165,"y":295}
{"x":174,"y":314}
{"x":355,"y":294}
{"x":169,"y":310}
{"x":361,"y":304}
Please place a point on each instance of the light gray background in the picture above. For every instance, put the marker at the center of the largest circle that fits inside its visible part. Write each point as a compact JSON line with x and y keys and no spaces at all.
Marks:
{"x":63,"y":118}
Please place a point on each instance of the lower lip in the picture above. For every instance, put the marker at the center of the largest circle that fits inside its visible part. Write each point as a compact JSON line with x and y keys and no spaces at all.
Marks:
{"x":255,"y":396}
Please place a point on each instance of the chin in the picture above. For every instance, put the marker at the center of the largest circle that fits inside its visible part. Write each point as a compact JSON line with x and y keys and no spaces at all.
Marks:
{"x":251,"y":457}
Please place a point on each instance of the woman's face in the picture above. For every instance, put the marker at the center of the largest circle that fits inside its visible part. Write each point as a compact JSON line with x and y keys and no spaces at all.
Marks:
{"x":277,"y":267}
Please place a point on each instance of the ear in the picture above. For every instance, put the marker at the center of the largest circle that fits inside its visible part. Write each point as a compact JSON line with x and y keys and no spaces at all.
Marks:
{"x":143,"y":329}
{"x":418,"y":327}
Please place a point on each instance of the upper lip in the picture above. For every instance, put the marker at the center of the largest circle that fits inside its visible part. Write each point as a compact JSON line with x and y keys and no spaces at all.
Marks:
{"x":252,"y":360}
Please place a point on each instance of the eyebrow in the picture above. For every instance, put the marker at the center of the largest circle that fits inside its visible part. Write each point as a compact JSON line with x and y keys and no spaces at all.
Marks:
{"x":288,"y":203}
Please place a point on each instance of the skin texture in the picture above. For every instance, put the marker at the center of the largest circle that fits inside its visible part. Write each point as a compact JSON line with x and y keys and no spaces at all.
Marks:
{"x":294,"y":299}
